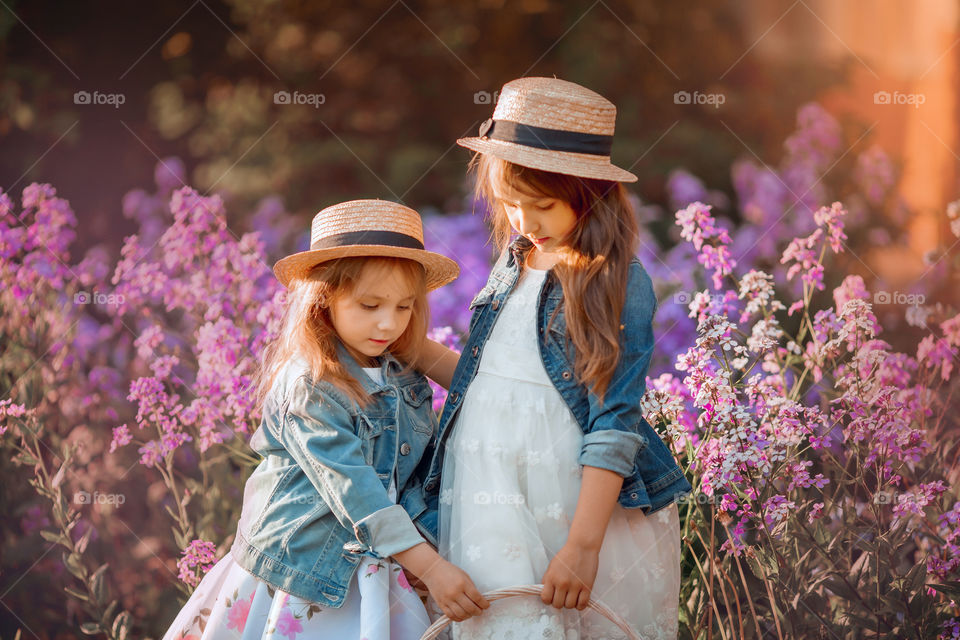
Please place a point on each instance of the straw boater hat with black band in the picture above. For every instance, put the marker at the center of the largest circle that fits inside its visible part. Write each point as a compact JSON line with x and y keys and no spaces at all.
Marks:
{"x":552,"y":125}
{"x":367,"y":228}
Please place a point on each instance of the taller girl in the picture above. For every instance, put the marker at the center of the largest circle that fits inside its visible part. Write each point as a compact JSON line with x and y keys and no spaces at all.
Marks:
{"x":546,"y":470}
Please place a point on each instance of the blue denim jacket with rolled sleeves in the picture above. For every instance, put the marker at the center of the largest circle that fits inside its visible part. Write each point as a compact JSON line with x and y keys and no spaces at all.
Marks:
{"x":616,"y":435}
{"x":319,"y":499}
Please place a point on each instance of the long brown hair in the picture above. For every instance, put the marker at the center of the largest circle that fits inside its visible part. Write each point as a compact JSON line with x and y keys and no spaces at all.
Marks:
{"x":307,"y":329}
{"x":595,"y":258}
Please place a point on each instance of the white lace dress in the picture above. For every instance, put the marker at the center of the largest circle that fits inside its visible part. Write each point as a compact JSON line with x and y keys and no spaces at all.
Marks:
{"x":509,"y":491}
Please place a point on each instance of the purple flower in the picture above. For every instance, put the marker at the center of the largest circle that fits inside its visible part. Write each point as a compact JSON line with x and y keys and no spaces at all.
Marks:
{"x":198,"y":558}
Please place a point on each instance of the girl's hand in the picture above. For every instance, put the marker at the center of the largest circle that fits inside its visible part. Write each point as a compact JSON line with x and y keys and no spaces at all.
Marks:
{"x":450,"y":586}
{"x":454,"y":591}
{"x":570,"y":576}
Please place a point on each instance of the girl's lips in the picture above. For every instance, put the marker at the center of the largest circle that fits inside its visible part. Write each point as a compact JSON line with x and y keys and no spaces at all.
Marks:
{"x":540,"y":240}
{"x":379,"y":341}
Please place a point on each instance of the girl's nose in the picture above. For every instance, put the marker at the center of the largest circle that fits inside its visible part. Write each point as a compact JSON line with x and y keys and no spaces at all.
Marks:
{"x":387,"y":322}
{"x":527,"y":223}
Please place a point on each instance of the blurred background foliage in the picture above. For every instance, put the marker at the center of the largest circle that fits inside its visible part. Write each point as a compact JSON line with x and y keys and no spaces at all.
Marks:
{"x":399,"y":82}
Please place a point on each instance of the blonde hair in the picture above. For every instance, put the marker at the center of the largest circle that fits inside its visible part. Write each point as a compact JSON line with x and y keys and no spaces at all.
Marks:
{"x":307,"y":329}
{"x":595,"y":259}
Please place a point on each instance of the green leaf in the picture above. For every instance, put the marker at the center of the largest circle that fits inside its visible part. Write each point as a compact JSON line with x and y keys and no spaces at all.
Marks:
{"x":108,"y":614}
{"x":90,"y":628}
{"x":121,"y":626}
{"x":840,"y":587}
{"x":98,"y":585}
{"x":951,"y":588}
{"x":79,"y":595}
{"x":72,"y":562}
{"x":53,"y":536}
{"x":916,"y":577}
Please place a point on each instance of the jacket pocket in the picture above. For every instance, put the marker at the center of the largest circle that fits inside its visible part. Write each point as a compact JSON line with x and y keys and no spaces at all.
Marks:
{"x":417,"y":397}
{"x":368,"y":430}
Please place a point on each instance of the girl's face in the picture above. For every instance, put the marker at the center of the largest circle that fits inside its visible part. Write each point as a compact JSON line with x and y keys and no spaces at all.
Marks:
{"x":374,"y":314}
{"x":543,"y":220}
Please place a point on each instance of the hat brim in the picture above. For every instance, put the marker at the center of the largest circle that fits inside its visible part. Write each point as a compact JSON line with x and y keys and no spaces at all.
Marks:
{"x":566,"y":162}
{"x":439,"y":269}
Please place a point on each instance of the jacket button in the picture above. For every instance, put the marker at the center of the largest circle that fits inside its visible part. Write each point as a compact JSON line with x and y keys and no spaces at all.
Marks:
{"x":475,"y":351}
{"x":431,"y":485}
{"x":405,"y":449}
{"x":495,"y":305}
{"x":633,"y":495}
{"x":565,"y":375}
{"x":454,"y":396}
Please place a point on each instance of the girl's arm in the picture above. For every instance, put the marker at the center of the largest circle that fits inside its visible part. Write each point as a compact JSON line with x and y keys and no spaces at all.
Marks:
{"x":437,"y":362}
{"x":571,"y":574}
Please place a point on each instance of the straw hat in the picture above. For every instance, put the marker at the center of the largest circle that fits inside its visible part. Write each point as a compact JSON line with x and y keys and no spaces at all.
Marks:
{"x":553,"y":125}
{"x":367,"y":228}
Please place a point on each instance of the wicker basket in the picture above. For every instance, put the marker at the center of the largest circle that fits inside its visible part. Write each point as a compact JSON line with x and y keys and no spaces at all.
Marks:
{"x":534,"y":590}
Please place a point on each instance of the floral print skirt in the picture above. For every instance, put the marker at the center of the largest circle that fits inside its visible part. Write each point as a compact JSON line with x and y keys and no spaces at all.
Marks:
{"x":232,"y":604}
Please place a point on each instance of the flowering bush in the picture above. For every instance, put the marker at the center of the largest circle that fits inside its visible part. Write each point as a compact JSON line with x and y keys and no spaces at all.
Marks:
{"x":813,"y":453}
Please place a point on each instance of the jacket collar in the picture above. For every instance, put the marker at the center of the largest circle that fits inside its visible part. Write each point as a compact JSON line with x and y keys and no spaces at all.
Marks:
{"x":390,"y":367}
{"x":518,"y":249}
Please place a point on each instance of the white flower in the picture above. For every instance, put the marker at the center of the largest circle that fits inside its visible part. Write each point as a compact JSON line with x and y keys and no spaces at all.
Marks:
{"x":473,"y":552}
{"x":472,"y":445}
{"x":533,"y":457}
{"x":511,"y":550}
{"x":446,"y":496}
{"x":555,"y":511}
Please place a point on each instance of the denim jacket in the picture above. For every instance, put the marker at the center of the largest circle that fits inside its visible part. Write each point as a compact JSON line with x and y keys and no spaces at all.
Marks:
{"x":616,"y":436}
{"x":318,"y":501}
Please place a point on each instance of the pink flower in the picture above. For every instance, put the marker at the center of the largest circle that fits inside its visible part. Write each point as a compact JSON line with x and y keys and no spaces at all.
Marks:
{"x":199,"y":554}
{"x":121,"y":437}
{"x":937,"y":352}
{"x":288,"y":625}
{"x":402,"y":581}
{"x":816,"y":511}
{"x":239,"y":612}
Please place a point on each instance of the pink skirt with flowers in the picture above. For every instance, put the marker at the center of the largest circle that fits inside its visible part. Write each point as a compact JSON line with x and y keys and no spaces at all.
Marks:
{"x":232,"y":604}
